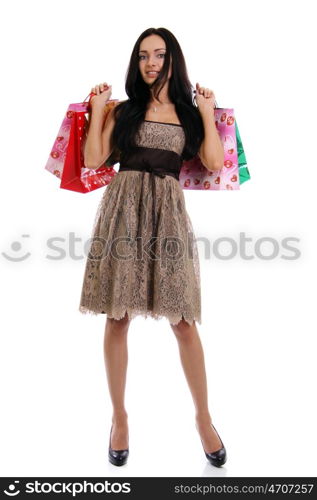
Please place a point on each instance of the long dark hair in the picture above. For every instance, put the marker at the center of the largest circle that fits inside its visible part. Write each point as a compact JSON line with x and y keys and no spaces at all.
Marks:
{"x":130,"y":113}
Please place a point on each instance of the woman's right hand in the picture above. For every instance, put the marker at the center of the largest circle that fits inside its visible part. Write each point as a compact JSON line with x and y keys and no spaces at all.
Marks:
{"x":103,"y":92}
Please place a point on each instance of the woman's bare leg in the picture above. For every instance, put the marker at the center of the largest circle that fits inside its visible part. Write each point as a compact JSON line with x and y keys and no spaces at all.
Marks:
{"x":116,"y":362}
{"x":192,"y":358}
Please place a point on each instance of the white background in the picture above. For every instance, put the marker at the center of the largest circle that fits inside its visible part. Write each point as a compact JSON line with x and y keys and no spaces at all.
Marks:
{"x":258,"y":316}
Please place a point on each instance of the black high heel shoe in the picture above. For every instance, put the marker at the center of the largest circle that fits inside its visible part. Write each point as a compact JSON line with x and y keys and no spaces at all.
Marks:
{"x":219,"y":457}
{"x":117,"y":457}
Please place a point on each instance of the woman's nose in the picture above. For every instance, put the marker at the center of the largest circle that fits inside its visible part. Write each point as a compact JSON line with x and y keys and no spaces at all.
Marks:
{"x":152,"y":62}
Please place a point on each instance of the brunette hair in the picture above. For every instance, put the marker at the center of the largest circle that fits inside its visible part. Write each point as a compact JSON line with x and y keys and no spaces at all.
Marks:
{"x":129,"y":114}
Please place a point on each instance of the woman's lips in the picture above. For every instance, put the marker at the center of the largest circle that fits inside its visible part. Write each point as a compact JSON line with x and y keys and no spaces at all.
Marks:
{"x":151,"y":74}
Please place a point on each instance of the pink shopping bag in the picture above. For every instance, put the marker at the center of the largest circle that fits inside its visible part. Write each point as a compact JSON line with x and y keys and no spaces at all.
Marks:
{"x":194,"y":175}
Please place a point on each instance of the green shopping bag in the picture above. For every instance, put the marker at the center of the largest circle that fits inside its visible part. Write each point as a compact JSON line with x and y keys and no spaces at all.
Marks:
{"x":244,"y":174}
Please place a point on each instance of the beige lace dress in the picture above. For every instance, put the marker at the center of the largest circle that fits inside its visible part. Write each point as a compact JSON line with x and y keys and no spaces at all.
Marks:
{"x":143,"y":257}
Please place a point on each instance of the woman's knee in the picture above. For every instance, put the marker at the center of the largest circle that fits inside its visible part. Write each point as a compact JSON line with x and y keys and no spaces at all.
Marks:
{"x":119,"y":325}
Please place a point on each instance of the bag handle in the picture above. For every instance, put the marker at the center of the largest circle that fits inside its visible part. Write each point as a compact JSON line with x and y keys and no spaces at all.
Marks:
{"x":87,"y":96}
{"x":90,"y":96}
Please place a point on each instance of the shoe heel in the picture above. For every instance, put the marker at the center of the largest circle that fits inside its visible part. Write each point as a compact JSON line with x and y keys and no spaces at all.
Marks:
{"x":117,"y":457}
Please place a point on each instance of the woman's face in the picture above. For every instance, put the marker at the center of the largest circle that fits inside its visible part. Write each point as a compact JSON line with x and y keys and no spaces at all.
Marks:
{"x":151,"y":58}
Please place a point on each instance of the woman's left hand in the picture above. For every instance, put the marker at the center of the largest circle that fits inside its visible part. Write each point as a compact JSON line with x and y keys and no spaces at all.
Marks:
{"x":205,"y":99}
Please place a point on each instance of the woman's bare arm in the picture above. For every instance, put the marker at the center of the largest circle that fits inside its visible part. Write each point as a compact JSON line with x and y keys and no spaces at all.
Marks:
{"x":93,"y":145}
{"x":99,"y":144}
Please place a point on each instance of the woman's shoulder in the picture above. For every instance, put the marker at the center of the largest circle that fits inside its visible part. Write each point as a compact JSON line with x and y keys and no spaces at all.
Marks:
{"x":113,"y":104}
{"x":110,"y":108}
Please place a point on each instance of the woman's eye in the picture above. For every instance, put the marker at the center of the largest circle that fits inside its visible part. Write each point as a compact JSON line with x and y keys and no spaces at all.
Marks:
{"x":140,"y":57}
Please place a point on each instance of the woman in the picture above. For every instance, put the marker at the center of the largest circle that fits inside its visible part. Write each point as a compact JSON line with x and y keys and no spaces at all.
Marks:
{"x":142,"y":261}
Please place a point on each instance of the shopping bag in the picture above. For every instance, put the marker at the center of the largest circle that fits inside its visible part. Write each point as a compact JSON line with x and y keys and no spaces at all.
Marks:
{"x":194,"y":175}
{"x":244,"y":174}
{"x":66,"y":159}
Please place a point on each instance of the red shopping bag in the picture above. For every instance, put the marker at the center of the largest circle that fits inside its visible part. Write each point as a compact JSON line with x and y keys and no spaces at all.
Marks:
{"x":66,"y":160}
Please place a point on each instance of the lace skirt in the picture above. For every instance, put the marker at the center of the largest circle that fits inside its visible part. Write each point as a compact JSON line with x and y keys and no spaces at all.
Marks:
{"x":143,"y":257}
